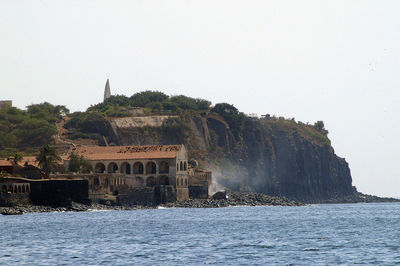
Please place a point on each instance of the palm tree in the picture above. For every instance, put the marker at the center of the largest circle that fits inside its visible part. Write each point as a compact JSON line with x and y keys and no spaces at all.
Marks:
{"x":47,"y":159}
{"x":17,"y":158}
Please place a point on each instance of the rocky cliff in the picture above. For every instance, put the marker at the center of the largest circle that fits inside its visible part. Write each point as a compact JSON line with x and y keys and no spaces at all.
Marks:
{"x":270,"y":155}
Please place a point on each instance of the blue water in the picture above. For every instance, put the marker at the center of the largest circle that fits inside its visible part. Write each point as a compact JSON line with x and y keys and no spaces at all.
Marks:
{"x":317,"y":234}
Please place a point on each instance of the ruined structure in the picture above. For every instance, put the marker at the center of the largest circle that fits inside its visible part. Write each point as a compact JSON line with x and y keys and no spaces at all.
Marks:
{"x":14,"y":192}
{"x":6,"y":166}
{"x":5,"y":104}
{"x":200,"y":182}
{"x":18,"y":191}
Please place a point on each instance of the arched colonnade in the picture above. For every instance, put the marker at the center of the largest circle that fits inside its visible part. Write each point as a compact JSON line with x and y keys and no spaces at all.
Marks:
{"x":15,"y":188}
{"x":137,"y":168}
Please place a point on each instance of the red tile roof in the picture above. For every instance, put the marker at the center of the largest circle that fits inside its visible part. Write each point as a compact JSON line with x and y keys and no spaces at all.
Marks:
{"x":5,"y":163}
{"x":128,"y":152}
{"x":30,"y":160}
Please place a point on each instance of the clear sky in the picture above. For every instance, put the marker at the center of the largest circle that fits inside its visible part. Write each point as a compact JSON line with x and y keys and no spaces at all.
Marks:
{"x":336,"y":61}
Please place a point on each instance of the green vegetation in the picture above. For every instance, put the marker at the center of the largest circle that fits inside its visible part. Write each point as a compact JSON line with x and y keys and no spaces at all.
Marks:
{"x":16,"y":157}
{"x":21,"y":130}
{"x":316,"y":134}
{"x":115,"y":106}
{"x":232,"y":116}
{"x":79,"y":164}
{"x":88,"y":125}
{"x":48,"y":159}
{"x":143,"y":98}
{"x":34,"y":127}
{"x":153,"y":102}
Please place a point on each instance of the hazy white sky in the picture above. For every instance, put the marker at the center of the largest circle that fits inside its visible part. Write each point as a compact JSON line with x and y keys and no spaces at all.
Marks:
{"x":336,"y":61}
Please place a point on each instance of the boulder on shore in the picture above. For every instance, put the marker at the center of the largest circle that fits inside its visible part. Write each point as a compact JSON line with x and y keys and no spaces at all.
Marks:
{"x":220,"y":195}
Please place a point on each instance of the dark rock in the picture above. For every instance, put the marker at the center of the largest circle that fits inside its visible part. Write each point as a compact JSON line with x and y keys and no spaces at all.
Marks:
{"x":11,"y":211}
{"x":219,"y":195}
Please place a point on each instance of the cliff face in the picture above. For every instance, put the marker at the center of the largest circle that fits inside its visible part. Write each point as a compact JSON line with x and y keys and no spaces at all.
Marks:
{"x":272,"y":156}
{"x":284,"y":160}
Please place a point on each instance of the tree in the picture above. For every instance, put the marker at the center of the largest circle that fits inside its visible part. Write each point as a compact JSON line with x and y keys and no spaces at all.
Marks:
{"x":47,"y":159}
{"x":111,"y":104}
{"x":47,"y":111}
{"x":320,"y":126}
{"x":143,"y":98}
{"x":35,"y":132}
{"x":89,"y":122}
{"x":79,"y":164}
{"x":232,"y":116}
{"x":189,"y":103}
{"x":17,"y":158}
{"x":155,"y":107}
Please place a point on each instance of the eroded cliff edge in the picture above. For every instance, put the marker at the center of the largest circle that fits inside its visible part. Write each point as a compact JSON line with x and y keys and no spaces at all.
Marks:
{"x":275,"y":156}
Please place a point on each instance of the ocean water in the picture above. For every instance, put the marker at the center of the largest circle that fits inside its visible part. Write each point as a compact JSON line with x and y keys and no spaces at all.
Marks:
{"x":316,"y":234}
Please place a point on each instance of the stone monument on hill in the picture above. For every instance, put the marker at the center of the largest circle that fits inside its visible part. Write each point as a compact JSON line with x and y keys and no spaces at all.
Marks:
{"x":107,"y":91}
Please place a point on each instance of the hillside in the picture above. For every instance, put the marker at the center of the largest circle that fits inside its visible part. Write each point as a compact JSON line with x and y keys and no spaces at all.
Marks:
{"x":271,"y":155}
{"x":276,"y":156}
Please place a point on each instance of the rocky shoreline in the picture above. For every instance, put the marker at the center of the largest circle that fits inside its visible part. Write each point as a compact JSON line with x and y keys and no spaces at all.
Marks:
{"x":226,"y":199}
{"x":357,"y":197}
{"x":234,"y":199}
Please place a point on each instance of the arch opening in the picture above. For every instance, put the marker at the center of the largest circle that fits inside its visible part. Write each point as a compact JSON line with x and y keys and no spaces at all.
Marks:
{"x":99,"y":168}
{"x":164,"y":168}
{"x":138,"y":168}
{"x":125,"y":168}
{"x":112,"y":168}
{"x":151,"y":168}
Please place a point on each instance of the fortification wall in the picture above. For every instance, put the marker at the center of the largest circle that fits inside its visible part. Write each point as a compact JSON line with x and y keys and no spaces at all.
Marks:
{"x":59,"y":192}
{"x":137,"y":196}
{"x":132,"y":122}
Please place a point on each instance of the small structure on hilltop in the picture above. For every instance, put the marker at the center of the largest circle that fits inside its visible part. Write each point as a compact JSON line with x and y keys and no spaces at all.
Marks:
{"x":5,"y":104}
{"x":107,"y":91}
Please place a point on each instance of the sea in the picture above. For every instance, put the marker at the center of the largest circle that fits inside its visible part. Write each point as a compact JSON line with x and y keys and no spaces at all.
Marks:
{"x":326,"y":234}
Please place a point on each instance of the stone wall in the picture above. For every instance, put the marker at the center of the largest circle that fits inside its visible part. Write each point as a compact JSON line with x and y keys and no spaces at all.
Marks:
{"x":137,"y":196}
{"x":7,"y":199}
{"x":198,"y":192}
{"x":58,"y":192}
{"x":164,"y":194}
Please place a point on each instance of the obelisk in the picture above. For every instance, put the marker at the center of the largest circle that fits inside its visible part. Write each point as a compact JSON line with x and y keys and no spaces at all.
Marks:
{"x":107,"y":91}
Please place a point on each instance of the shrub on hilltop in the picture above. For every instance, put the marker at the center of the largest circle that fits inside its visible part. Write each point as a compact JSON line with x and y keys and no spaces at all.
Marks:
{"x":153,"y":102}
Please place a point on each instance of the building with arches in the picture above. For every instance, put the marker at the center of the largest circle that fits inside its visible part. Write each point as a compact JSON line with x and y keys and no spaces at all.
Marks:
{"x":164,"y":167}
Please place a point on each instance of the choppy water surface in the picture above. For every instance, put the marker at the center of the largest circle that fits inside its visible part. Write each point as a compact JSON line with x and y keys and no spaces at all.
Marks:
{"x":317,"y":234}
